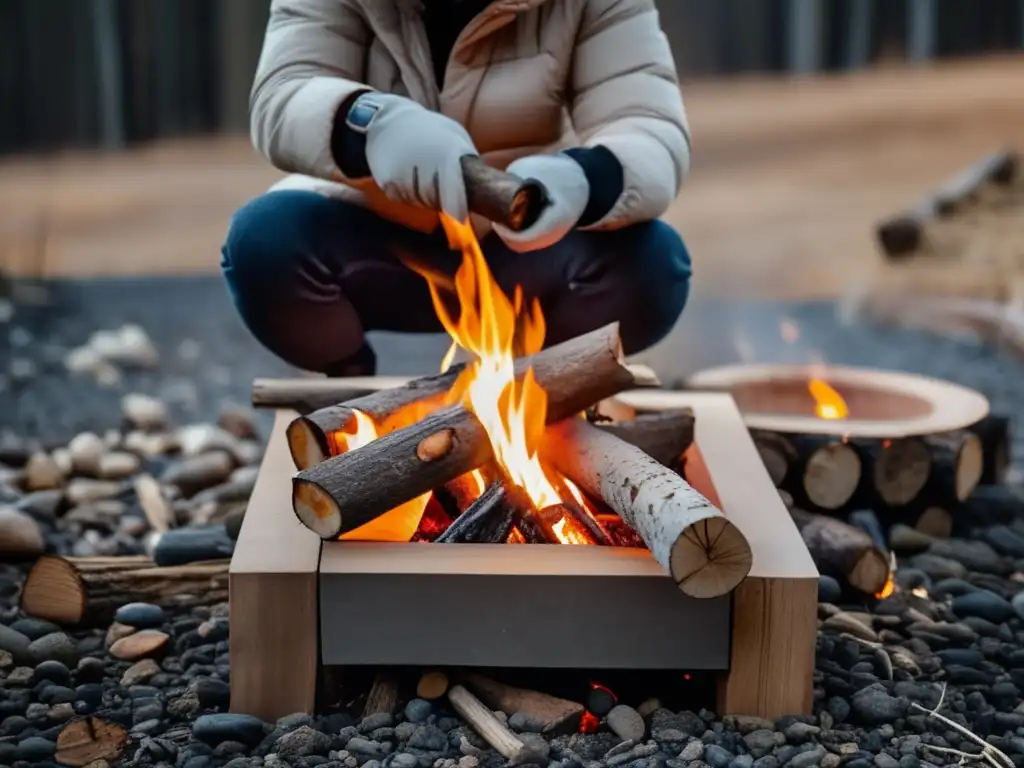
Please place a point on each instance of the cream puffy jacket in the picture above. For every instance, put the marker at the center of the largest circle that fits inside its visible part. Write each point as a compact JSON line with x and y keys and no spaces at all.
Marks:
{"x":524,"y":77}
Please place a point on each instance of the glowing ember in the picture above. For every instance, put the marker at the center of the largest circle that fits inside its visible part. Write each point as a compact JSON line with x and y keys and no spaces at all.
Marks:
{"x":401,"y":522}
{"x":890,"y":583}
{"x":494,"y":330}
{"x":919,"y":592}
{"x":828,"y":404}
{"x":589,"y":723}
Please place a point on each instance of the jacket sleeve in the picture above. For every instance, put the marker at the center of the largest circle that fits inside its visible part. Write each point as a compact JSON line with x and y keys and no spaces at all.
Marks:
{"x":312,"y":62}
{"x":624,"y":95}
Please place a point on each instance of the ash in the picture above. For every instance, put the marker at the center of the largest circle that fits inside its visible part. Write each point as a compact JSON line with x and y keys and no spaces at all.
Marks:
{"x":158,"y":399}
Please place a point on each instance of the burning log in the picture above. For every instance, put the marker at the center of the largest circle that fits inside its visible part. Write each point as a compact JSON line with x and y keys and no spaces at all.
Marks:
{"x":663,"y":436}
{"x":994,"y":433}
{"x":488,"y":520}
{"x":575,"y":373}
{"x":556,"y":716}
{"x":349,"y":490}
{"x":706,"y":555}
{"x":483,"y":721}
{"x":581,"y":523}
{"x":902,"y":235}
{"x":843,"y":551}
{"x":89,"y":590}
{"x":622,"y":535}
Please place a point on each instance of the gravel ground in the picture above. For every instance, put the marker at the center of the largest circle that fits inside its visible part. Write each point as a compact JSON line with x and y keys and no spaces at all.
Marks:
{"x":956,"y":622}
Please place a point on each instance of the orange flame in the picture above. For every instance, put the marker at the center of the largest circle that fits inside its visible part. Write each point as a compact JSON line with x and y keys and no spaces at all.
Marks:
{"x":828,"y":404}
{"x":401,"y":522}
{"x":495,"y":329}
{"x":889,"y":587}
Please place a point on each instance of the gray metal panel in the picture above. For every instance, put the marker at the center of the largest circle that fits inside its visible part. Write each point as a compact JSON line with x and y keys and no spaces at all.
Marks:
{"x":505,"y":620}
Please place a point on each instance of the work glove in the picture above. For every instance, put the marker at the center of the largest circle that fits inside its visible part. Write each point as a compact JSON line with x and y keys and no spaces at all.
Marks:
{"x":414,"y":156}
{"x":568,"y":195}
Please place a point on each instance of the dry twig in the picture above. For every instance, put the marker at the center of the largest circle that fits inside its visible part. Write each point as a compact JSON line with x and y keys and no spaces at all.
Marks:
{"x":988,"y":752}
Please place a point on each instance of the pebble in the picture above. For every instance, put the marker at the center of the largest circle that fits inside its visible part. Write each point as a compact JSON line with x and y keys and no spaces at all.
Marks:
{"x":829,"y":590}
{"x":418,"y":710}
{"x":147,"y":642}
{"x":140,"y":672}
{"x":302,"y":742}
{"x":15,"y":643}
{"x":626,"y":723}
{"x":983,"y":604}
{"x":20,"y":535}
{"x":140,"y":615}
{"x":214,"y":729}
{"x":56,"y":646}
{"x":873,"y":706}
{"x":144,"y":412}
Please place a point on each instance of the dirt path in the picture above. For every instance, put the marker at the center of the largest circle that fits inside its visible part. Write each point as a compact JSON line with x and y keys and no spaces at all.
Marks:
{"x":788,"y":178}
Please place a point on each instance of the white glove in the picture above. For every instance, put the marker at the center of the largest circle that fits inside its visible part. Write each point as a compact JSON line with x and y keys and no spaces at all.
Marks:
{"x":414,"y":156}
{"x":568,"y":195}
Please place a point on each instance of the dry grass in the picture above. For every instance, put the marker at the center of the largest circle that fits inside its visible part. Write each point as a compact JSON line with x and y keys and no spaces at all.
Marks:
{"x":789,"y":178}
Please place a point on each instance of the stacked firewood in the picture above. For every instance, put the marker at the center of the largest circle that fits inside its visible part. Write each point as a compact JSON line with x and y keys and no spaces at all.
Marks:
{"x":429,"y":443}
{"x":846,"y":495}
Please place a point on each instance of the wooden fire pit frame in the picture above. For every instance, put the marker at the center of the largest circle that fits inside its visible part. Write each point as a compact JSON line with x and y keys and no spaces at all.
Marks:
{"x":275,"y":580}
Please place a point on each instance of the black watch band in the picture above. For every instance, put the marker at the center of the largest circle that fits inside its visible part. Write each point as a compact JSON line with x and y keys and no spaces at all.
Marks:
{"x":348,"y":140}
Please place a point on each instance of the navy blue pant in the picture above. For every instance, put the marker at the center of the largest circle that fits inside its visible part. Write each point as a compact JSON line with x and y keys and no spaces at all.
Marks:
{"x":309,"y":275}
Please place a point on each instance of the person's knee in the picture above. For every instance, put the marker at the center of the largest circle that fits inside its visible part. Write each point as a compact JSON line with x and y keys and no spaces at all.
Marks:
{"x":657,"y":276}
{"x":265,"y":240}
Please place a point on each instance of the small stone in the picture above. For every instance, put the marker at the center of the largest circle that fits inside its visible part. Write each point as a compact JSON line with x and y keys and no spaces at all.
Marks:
{"x":239,"y":421}
{"x":717,"y":756}
{"x":144,"y":412}
{"x":83,"y":490}
{"x":626,"y":723}
{"x":903,"y":538}
{"x":808,"y":759}
{"x":760,"y":742}
{"x":418,"y":710}
{"x":140,"y":672}
{"x":874,"y":706}
{"x":302,"y":742}
{"x":213,"y":729}
{"x":20,"y":535}
{"x":364,"y":747}
{"x":86,"y":449}
{"x":829,"y":590}
{"x":692,"y":751}
{"x":42,"y":472}
{"x":983,"y":604}
{"x":55,"y":646}
{"x":845,"y":622}
{"x":147,"y":642}
{"x":404,"y":760}
{"x":647,"y":707}
{"x":52,"y":671}
{"x":116,"y":465}
{"x":140,"y":615}
{"x":35,"y":749}
{"x":115,"y":632}
{"x":212,"y":693}
{"x":798,"y":732}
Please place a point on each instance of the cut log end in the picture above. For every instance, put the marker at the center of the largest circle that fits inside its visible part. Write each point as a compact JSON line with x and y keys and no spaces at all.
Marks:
{"x":710,"y":558}
{"x":54,"y":592}
{"x":870,"y":573}
{"x":316,"y":509}
{"x":305,"y":444}
{"x":970,"y":465}
{"x":935,"y":521}
{"x":832,"y":475}
{"x":901,"y":470}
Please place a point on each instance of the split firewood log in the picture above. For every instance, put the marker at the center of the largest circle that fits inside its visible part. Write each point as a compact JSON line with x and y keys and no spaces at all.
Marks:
{"x":90,"y":741}
{"x":89,"y":590}
{"x":843,"y":551}
{"x":994,"y":433}
{"x":488,"y":519}
{"x":351,"y":489}
{"x":705,"y":553}
{"x":383,"y":696}
{"x":902,"y":235}
{"x":483,"y":721}
{"x":575,"y":373}
{"x":555,"y":715}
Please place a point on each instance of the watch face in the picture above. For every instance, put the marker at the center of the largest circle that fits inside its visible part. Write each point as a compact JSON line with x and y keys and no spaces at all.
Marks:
{"x":361,"y":114}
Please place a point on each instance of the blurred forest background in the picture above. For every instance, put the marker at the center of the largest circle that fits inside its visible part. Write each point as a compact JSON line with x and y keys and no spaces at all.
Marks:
{"x":111,"y":73}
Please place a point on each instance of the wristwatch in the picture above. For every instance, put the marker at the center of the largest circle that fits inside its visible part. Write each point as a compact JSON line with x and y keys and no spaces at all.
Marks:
{"x":362,"y":112}
{"x":348,"y":143}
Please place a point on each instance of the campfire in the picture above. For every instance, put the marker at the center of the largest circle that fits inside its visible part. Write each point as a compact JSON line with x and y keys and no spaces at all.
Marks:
{"x":515,"y":446}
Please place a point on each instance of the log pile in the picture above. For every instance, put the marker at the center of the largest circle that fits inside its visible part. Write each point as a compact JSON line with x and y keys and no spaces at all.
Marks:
{"x":432,"y":459}
{"x":846,"y":494}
